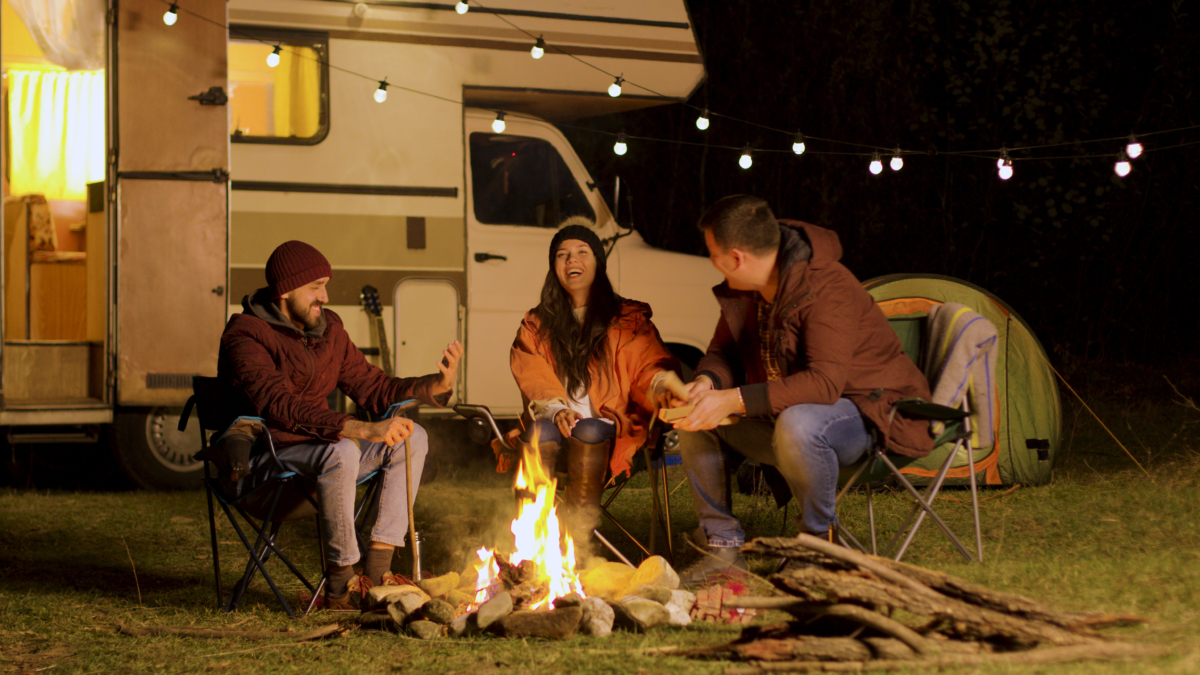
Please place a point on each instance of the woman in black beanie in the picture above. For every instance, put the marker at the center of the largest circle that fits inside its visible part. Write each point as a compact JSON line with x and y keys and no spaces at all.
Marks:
{"x":590,"y":365}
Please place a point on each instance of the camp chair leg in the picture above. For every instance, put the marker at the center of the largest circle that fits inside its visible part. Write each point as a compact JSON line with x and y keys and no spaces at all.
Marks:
{"x":975,"y":502}
{"x":667,"y":511}
{"x":871,"y":520}
{"x":848,"y":539}
{"x":932,"y":492}
{"x":256,"y":562}
{"x":212,"y":532}
{"x":624,"y":531}
{"x":613,"y":495}
{"x":925,"y":505}
{"x":657,"y":483}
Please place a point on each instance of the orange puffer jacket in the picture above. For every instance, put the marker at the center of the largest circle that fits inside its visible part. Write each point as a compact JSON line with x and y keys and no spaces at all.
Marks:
{"x":637,"y":353}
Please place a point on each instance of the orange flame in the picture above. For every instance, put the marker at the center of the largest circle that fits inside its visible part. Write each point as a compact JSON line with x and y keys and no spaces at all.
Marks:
{"x":537,"y":535}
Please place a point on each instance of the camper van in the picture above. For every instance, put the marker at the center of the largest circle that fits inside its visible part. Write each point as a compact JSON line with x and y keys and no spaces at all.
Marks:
{"x":413,"y":143}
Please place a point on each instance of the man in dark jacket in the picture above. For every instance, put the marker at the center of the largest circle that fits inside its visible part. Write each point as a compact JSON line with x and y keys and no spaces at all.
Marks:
{"x":287,"y":354}
{"x":804,"y":353}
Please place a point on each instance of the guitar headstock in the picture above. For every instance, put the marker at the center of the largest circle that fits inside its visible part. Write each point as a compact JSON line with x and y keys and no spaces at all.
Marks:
{"x":369,"y":297}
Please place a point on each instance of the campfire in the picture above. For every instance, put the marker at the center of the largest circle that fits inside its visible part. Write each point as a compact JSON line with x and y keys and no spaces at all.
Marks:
{"x":537,"y":590}
{"x":542,"y":568}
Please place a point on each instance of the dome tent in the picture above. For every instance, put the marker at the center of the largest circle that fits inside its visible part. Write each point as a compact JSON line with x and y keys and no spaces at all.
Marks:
{"x":1028,"y":419}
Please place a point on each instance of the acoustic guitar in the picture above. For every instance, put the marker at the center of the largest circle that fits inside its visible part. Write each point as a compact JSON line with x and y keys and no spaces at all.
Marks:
{"x":374,"y":309}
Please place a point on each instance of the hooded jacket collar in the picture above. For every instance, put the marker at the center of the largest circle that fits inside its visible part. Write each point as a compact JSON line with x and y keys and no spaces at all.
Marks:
{"x":262,"y":305}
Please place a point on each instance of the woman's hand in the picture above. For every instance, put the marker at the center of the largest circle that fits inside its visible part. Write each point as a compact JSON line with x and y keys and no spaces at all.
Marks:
{"x":700,"y":384}
{"x":565,"y":421}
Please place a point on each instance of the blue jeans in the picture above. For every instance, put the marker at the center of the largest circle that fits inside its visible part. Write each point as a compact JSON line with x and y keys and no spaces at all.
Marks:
{"x":587,"y":430}
{"x":808,"y":443}
{"x":337,"y":468}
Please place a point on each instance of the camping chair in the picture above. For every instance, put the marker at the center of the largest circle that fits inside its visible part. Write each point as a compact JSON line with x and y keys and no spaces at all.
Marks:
{"x":959,"y":425}
{"x":649,"y":459}
{"x":285,"y":496}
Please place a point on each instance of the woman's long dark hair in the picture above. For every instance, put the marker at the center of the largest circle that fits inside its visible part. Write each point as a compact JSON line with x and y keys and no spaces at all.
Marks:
{"x":576,"y":345}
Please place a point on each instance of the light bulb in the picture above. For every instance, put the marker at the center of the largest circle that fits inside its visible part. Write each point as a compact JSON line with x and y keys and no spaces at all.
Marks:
{"x":461,"y":7}
{"x":1133,"y":149}
{"x":897,"y":162}
{"x":539,"y":48}
{"x":1122,"y":168}
{"x":498,"y":123}
{"x":999,"y":162}
{"x":273,"y":57}
{"x":744,"y":161}
{"x":619,"y":147}
{"x":876,"y":164}
{"x":702,"y":120}
{"x":381,"y":92}
{"x":798,"y":144}
{"x":172,"y":14}
{"x":1006,"y":169}
{"x":614,"y":89}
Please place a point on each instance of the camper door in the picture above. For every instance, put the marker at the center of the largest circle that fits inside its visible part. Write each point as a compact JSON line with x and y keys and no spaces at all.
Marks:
{"x":171,"y":140}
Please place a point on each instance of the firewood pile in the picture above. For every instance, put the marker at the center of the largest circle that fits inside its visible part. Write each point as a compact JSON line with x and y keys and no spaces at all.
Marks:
{"x":854,"y":612}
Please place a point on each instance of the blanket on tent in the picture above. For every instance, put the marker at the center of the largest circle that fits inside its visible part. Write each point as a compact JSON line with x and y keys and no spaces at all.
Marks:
{"x":960,"y":358}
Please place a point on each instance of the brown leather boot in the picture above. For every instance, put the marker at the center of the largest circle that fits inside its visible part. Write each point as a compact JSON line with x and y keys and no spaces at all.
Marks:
{"x":587,"y":464}
{"x":547,"y":450}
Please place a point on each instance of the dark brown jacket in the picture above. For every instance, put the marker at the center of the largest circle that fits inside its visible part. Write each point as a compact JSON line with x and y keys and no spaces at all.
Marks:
{"x":829,"y":338}
{"x":287,"y":374}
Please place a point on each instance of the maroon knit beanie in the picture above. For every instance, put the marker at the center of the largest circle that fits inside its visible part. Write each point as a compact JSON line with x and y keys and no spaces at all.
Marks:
{"x":294,"y":264}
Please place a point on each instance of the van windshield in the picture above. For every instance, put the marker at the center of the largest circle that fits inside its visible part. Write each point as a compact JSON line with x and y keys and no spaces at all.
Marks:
{"x":519,"y":180}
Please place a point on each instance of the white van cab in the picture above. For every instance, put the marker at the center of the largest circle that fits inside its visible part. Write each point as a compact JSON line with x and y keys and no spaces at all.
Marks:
{"x":217,"y":156}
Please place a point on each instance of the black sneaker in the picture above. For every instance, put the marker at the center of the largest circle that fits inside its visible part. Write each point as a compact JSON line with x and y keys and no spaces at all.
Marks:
{"x":717,"y":564}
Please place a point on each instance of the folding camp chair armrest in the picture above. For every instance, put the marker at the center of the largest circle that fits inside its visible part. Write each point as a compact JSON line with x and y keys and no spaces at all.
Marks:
{"x":187,"y":412}
{"x":481,"y":412}
{"x":919,"y":409}
{"x":401,"y":408}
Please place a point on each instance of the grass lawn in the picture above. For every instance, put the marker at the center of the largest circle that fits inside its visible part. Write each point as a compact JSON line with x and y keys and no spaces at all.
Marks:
{"x":1101,"y":535}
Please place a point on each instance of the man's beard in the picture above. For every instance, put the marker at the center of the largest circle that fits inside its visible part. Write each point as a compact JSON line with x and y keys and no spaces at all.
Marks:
{"x":304,"y":314}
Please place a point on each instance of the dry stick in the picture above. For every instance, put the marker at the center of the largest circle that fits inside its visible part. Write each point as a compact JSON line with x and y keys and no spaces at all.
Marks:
{"x":1089,"y":409}
{"x":855,"y":558}
{"x":1036,"y":657}
{"x":274,"y":646}
{"x":860,"y":615}
{"x":192,"y":631}
{"x":135,"y":579}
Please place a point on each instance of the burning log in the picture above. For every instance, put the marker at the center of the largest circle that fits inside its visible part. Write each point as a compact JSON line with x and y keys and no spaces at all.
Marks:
{"x":859,"y":612}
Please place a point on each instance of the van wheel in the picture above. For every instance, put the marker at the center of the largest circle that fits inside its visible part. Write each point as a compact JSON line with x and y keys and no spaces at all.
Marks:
{"x":151,"y":450}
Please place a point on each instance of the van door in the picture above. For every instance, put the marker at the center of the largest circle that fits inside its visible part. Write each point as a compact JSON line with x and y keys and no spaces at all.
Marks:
{"x":522,"y":188}
{"x":171,"y":142}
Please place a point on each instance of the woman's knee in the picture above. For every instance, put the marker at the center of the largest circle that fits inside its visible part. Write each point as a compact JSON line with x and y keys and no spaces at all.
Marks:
{"x":543,"y":430}
{"x":592,"y":431}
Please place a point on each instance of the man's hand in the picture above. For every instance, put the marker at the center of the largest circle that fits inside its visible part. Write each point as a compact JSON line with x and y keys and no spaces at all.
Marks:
{"x":712,"y":406}
{"x":391,"y":431}
{"x":565,"y":421}
{"x":448,"y":367}
{"x":702,"y":383}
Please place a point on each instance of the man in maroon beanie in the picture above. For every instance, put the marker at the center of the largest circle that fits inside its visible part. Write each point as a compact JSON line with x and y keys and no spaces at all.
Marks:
{"x":287,"y":354}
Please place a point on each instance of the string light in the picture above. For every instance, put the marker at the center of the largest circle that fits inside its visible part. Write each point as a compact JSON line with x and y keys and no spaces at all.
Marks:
{"x":1004,"y":165}
{"x":172,"y":14}
{"x":614,"y":89}
{"x":381,"y":92}
{"x":876,"y":164}
{"x":744,"y":161}
{"x":620,"y":147}
{"x":498,"y":123}
{"x":798,"y":144}
{"x":273,"y":57}
{"x":1122,"y":167}
{"x":462,"y":7}
{"x":702,"y":120}
{"x":539,"y":48}
{"x":1133,"y":149}
{"x":897,"y":162}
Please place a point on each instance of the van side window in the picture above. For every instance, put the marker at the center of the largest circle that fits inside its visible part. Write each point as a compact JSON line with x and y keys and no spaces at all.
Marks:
{"x":519,"y":180}
{"x":285,"y":103}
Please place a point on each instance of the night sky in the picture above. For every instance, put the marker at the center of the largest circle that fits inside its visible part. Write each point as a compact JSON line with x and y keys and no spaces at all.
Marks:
{"x":1101,"y":267}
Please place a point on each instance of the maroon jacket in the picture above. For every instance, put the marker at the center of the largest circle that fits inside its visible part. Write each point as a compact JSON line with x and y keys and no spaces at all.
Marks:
{"x":287,"y":374}
{"x":830,"y":340}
